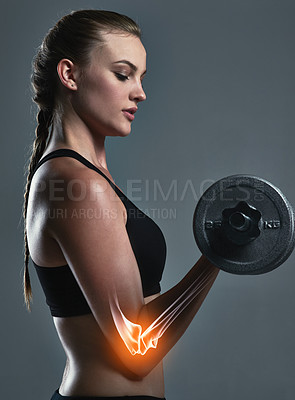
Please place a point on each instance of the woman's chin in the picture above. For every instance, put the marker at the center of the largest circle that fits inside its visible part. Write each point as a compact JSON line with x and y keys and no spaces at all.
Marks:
{"x":121,"y":131}
{"x":124,"y":132}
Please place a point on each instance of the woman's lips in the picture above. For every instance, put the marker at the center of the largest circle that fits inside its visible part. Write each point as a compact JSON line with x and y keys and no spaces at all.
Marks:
{"x":129,"y":113}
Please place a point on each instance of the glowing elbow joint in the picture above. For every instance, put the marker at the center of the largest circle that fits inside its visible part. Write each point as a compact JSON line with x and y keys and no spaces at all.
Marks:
{"x":131,"y":334}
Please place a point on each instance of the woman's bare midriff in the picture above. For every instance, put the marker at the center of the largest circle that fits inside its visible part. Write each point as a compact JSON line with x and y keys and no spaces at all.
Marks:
{"x":93,"y":369}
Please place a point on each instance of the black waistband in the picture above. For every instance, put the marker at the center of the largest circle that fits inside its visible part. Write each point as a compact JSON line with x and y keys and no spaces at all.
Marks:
{"x":57,"y":396}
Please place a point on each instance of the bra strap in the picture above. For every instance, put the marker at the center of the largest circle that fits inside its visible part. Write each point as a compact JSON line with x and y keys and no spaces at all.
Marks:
{"x":83,"y":160}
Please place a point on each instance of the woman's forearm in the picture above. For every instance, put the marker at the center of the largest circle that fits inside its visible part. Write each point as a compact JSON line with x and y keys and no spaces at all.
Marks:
{"x":163,"y":321}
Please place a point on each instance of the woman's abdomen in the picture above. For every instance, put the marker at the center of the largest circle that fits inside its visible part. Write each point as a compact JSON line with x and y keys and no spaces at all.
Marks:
{"x":94,"y":369}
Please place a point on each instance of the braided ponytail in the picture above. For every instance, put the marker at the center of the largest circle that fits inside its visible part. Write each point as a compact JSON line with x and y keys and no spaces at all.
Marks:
{"x":42,"y":133}
{"x":73,"y":37}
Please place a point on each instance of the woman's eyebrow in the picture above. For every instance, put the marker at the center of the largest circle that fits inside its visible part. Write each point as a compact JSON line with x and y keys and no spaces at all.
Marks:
{"x":130,"y":65}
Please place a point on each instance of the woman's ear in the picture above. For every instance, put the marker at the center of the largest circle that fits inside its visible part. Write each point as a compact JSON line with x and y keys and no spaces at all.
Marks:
{"x":67,"y":72}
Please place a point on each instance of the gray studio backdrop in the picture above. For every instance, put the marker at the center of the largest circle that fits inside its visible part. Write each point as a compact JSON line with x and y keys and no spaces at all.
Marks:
{"x":220,"y":101}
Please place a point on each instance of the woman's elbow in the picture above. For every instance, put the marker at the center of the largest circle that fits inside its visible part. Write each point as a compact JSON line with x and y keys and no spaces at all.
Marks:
{"x":140,"y":365}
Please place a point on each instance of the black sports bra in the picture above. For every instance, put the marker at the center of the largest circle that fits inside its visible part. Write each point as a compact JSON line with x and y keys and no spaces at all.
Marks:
{"x":62,"y":292}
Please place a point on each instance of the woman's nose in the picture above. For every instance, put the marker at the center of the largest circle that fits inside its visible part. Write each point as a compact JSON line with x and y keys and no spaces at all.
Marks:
{"x":138,"y":93}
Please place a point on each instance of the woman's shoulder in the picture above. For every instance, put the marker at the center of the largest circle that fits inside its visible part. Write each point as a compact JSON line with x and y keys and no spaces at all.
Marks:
{"x":65,"y":175}
{"x":65,"y":192}
{"x":63,"y":185}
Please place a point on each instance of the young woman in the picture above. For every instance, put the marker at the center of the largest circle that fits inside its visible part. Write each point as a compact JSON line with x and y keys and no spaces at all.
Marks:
{"x":98,"y":257}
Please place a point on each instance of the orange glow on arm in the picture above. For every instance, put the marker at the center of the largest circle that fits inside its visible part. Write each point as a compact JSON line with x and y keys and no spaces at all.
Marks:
{"x":131,"y":334}
{"x":139,"y":342}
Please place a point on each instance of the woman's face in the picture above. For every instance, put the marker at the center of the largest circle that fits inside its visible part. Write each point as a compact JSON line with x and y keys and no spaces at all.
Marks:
{"x":111,"y":84}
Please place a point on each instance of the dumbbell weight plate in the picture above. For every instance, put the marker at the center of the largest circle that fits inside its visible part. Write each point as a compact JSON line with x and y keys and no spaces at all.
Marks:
{"x":266,"y":250}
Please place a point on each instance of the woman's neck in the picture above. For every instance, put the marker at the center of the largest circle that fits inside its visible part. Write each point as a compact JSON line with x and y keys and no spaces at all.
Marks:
{"x":77,"y":137}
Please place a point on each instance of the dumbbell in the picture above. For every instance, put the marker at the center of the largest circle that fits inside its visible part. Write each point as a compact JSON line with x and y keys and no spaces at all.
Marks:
{"x":244,"y":225}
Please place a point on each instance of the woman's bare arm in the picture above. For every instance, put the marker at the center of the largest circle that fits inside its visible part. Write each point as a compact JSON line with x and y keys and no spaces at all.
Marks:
{"x":99,"y":252}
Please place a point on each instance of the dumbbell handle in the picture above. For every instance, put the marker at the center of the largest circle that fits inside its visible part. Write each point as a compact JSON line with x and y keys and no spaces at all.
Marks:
{"x":239,"y":221}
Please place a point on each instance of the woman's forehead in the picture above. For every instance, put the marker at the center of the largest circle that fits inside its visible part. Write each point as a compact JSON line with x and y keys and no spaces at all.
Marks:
{"x":120,"y":46}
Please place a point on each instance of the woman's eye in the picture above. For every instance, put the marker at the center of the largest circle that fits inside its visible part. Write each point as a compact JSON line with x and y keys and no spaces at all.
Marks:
{"x":121,"y":77}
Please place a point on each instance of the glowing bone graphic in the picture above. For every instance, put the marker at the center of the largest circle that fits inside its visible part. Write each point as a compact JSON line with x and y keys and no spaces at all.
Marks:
{"x":139,"y":342}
